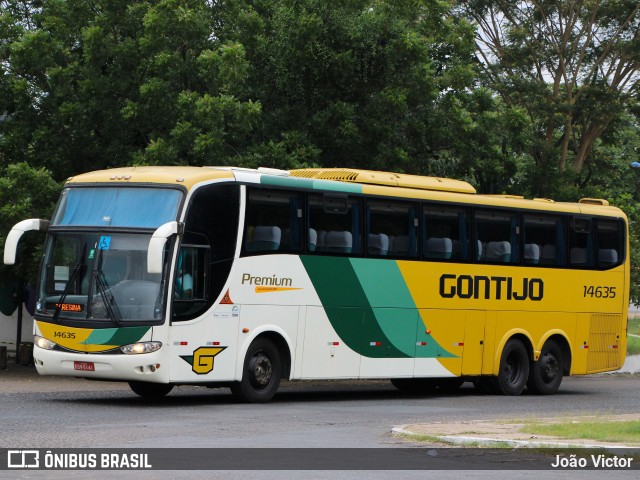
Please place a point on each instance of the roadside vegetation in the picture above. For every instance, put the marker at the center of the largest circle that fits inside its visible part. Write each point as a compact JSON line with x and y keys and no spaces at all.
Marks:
{"x":633,"y":335}
{"x":627,"y":432}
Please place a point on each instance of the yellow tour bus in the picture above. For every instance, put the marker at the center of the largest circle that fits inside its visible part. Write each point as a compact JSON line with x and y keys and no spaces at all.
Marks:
{"x":221,"y":276}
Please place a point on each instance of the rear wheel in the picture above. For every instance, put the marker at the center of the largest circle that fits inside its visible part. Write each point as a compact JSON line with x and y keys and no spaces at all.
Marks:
{"x":150,"y":391}
{"x":545,"y":376}
{"x":261,"y":373}
{"x":514,"y":368}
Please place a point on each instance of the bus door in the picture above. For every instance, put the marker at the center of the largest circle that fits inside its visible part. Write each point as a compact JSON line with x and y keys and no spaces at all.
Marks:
{"x":474,"y":342}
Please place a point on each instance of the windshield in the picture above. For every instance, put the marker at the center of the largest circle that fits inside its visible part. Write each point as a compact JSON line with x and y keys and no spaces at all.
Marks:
{"x":99,"y":276}
{"x":140,"y":207}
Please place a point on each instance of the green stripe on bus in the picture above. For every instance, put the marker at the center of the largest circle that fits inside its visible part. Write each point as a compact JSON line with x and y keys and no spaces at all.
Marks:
{"x":348,"y":308}
{"x":116,"y":336}
{"x":394,"y":308}
{"x":295,"y":182}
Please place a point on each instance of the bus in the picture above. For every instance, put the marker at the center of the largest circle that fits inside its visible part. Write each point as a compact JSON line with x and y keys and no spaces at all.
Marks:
{"x":240,"y":278}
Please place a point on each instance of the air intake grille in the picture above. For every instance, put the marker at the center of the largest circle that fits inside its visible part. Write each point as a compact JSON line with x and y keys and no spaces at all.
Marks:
{"x":604,"y":353}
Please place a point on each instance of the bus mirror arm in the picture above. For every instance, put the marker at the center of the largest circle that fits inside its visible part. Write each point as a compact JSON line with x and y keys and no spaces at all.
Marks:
{"x":11,"y":244}
{"x":156,"y":245}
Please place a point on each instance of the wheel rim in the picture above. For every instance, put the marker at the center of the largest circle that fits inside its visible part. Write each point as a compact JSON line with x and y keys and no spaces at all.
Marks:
{"x":262,"y":370}
{"x":549,"y":368}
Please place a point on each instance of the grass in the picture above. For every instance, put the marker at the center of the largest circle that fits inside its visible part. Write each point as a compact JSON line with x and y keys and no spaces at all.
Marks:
{"x":634,"y":325}
{"x":633,"y":346}
{"x":618,"y":432}
{"x":633,"y":343}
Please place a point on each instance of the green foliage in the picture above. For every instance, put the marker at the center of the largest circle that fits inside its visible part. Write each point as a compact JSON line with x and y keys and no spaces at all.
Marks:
{"x":574,"y":68}
{"x":362,"y":83}
{"x":392,"y":85}
{"x":25,"y":192}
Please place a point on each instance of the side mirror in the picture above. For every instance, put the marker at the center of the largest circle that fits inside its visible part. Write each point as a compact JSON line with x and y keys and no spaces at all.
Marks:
{"x":156,"y":245}
{"x":11,"y":244}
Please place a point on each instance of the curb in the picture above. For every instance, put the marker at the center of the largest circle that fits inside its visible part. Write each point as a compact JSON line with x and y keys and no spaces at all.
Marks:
{"x":463,"y":440}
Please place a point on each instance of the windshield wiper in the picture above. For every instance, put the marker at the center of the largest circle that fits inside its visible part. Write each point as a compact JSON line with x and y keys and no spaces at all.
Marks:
{"x":102,"y":288}
{"x":72,"y":278}
{"x":107,"y":298}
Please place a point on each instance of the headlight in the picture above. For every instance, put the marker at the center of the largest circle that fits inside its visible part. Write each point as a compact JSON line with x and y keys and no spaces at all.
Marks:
{"x":43,"y":343}
{"x":140,"y":347}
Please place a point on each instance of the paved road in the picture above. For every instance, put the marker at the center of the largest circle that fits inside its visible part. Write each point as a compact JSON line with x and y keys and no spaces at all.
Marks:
{"x":41,"y":412}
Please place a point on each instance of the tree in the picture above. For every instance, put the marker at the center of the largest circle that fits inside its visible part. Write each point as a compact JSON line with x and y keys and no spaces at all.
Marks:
{"x":25,"y":192}
{"x":573,"y":66}
{"x":353,"y":83}
{"x":100,"y":84}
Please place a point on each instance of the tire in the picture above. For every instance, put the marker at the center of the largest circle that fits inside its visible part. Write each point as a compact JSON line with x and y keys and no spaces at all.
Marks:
{"x":151,"y":391}
{"x":514,"y":369}
{"x":416,"y":386}
{"x":545,"y":375}
{"x":261,"y":373}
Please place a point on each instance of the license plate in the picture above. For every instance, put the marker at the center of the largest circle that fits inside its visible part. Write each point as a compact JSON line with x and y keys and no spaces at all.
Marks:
{"x":84,"y":366}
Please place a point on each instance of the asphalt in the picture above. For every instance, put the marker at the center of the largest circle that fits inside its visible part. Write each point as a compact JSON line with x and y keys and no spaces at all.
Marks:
{"x":492,"y":434}
{"x":18,"y":378}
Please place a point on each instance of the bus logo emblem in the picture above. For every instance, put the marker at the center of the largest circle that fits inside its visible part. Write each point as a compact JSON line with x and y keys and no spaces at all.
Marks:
{"x":202,"y":360}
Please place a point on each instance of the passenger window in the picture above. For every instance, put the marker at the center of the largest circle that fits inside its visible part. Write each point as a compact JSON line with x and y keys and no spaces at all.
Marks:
{"x":335,"y":223}
{"x":497,"y":236}
{"x":610,"y":243}
{"x":581,"y":244}
{"x":446,"y":233}
{"x":392,"y":229}
{"x":544,"y":240}
{"x":273,"y":222}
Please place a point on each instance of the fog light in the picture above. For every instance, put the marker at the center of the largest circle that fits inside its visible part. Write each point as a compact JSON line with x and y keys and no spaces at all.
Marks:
{"x":140,"y":347}
{"x":43,"y":343}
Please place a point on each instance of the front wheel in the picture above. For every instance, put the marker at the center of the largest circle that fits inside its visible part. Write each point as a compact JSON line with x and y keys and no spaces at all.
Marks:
{"x":150,"y":391}
{"x":546,"y":374}
{"x":514,"y":369}
{"x":261,"y":373}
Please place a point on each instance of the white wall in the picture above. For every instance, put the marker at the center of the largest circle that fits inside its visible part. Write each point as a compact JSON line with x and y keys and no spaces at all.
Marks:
{"x":8,"y":330}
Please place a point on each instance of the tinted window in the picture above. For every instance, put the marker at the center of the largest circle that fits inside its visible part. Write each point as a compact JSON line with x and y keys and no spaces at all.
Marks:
{"x":544,"y":240}
{"x":446,"y":233}
{"x":610,"y":243}
{"x":273,"y":222}
{"x":392,"y":229}
{"x":581,"y":244}
{"x":335,"y":223}
{"x":497,"y":236}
